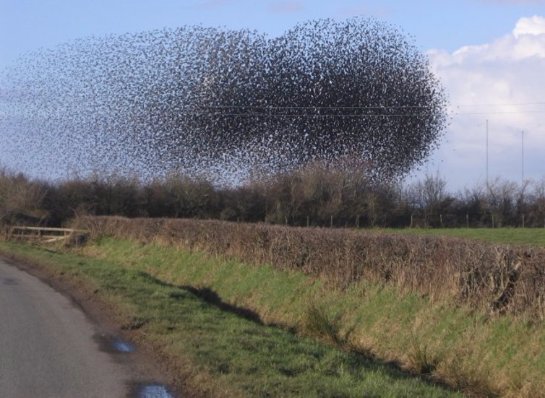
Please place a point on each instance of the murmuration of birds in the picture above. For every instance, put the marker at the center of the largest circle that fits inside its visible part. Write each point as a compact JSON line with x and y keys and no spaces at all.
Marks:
{"x":222,"y":103}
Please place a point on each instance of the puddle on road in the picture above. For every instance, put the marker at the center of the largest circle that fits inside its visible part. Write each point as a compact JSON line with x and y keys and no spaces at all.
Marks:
{"x":142,"y":389}
{"x":113,"y":345}
{"x":154,"y":391}
{"x":122,"y":346}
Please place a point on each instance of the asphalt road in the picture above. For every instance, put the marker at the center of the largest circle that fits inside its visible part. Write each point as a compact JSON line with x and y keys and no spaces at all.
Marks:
{"x":47,"y":347}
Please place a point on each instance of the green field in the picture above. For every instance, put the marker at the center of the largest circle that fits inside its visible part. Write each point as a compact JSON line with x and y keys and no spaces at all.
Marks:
{"x":516,"y":236}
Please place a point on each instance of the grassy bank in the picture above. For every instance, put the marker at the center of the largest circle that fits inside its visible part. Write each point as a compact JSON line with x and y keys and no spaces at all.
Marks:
{"x":473,"y":352}
{"x":476,"y":353}
{"x":515,"y":236}
{"x":217,"y":342}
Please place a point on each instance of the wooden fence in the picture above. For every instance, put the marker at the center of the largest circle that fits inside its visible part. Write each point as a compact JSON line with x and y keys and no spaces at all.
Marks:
{"x":41,"y":234}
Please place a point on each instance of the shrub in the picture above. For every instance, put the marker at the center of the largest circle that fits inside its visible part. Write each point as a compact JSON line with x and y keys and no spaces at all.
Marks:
{"x":493,"y":278}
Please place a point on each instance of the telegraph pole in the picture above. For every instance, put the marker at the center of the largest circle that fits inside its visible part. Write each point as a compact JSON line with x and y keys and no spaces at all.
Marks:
{"x":522,"y":171}
{"x":522,"y":155}
{"x":487,"y":153}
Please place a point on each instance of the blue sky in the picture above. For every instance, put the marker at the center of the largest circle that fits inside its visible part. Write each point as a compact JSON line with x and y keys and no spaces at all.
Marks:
{"x":26,"y":25}
{"x":489,"y":54}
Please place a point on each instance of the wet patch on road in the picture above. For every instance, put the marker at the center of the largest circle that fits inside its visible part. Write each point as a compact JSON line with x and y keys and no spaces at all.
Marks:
{"x":113,"y":344}
{"x":150,"y":390}
{"x":119,"y":349}
{"x":154,"y":391}
{"x":122,"y":346}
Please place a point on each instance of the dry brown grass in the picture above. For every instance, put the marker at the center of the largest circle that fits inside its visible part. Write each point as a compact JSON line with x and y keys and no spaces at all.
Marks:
{"x":494,"y":278}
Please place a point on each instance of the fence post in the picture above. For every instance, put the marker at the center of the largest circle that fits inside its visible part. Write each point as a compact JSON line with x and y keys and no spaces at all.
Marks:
{"x":331,"y":222}
{"x":467,"y":220}
{"x":308,"y":221}
{"x":523,"y":221}
{"x":358,"y":221}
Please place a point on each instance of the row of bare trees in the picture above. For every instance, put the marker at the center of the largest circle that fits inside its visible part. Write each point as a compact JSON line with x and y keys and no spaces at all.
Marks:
{"x":500,"y":203}
{"x":316,"y":195}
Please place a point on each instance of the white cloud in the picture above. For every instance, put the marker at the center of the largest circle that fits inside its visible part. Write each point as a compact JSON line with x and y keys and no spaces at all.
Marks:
{"x":501,"y":81}
{"x":530,"y":26}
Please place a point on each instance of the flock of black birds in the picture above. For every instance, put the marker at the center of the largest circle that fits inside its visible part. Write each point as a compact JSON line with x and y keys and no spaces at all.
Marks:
{"x":222,"y":103}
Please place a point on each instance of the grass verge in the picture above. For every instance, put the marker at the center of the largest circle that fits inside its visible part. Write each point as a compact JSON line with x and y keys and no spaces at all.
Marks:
{"x":220,"y":345}
{"x":474,"y":352}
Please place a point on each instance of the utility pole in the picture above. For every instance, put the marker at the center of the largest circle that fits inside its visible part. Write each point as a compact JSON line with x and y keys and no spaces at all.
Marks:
{"x":487,"y":153}
{"x":522,"y":172}
{"x":522,"y":155}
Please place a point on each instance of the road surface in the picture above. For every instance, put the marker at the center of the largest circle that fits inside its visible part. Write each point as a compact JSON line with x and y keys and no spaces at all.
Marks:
{"x":47,"y":347}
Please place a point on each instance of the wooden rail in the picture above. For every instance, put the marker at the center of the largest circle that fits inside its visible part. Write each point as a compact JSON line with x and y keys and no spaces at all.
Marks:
{"x":42,"y":234}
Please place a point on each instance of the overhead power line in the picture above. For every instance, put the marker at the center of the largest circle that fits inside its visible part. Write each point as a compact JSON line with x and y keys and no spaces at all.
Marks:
{"x":311,"y":115}
{"x":498,"y":112}
{"x":316,"y":107}
{"x":382,"y":107}
{"x":503,"y":104}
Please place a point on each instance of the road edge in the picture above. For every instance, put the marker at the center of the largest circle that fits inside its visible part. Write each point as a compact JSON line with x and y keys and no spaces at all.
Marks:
{"x":107,"y":319}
